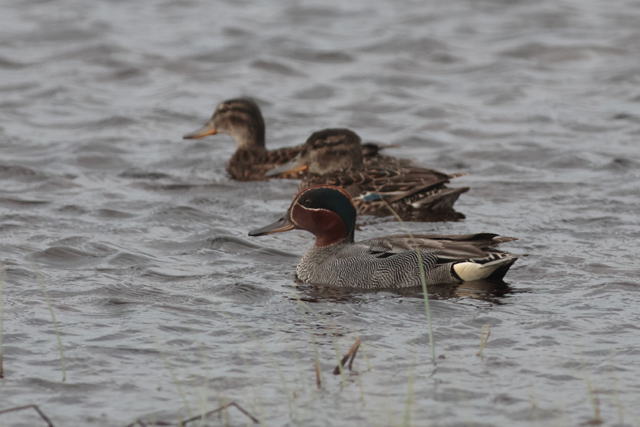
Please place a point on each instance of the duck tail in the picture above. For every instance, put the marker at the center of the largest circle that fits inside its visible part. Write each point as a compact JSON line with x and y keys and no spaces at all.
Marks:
{"x":441,"y":199}
{"x":493,"y":267}
{"x":456,"y":175}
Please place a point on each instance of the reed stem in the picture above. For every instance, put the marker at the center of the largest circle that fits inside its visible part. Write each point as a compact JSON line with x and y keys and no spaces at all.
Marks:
{"x":53,"y":319}
{"x":423,"y":280}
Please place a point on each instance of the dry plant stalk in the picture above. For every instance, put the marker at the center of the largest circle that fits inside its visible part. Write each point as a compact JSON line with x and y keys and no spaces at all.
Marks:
{"x":2,"y":277}
{"x":595,"y":402}
{"x":596,"y":407}
{"x":318,"y":379}
{"x":351,"y":354}
{"x":240,"y":408}
{"x":35,"y":408}
{"x":53,"y":320}
{"x":485,"y":333}
{"x":199,"y":417}
{"x":423,"y":280}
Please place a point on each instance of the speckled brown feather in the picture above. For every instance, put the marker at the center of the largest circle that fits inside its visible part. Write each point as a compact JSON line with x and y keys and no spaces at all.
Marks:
{"x":377,"y":183}
{"x":401,"y":187}
{"x":252,"y":164}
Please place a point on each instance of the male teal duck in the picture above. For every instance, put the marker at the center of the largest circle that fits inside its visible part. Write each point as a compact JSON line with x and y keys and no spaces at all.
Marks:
{"x":329,"y":213}
{"x":241,"y":118}
{"x":334,"y":157}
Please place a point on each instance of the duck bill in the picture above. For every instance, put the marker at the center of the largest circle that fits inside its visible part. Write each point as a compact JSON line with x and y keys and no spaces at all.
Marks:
{"x":283,"y":224}
{"x":294,"y":166}
{"x":206,"y":130}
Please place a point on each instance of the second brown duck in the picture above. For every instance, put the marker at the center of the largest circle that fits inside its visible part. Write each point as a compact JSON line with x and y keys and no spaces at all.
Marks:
{"x":334,"y":157}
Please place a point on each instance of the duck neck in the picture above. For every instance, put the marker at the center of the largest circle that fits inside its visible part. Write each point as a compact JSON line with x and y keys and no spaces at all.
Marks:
{"x":333,"y":238}
{"x":249,"y":139}
{"x":248,"y":131}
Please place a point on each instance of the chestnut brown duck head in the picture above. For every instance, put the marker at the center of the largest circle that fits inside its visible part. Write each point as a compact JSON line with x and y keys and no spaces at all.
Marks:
{"x":335,"y":150}
{"x":328,"y":212}
{"x":239,"y":118}
{"x":334,"y":157}
{"x":327,"y":151}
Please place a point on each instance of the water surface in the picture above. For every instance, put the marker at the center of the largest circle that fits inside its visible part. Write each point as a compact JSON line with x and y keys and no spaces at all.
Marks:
{"x":165,"y":306}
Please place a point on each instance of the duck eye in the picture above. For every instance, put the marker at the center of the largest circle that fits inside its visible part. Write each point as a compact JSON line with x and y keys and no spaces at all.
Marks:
{"x":307,"y":202}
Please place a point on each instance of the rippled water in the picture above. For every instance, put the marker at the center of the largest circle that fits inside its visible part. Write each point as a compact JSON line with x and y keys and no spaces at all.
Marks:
{"x":163,"y":302}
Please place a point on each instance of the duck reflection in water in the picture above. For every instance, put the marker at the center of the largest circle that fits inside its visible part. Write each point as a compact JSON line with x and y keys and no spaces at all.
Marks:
{"x":480,"y":290}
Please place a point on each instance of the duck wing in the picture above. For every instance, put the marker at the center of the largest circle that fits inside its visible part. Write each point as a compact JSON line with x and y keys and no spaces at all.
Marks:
{"x":370,"y":153}
{"x":382,"y":181}
{"x":448,"y":248}
{"x":372,"y":158}
{"x":252,"y":164}
{"x":403,"y":188}
{"x":465,"y":257}
{"x":281,"y":156}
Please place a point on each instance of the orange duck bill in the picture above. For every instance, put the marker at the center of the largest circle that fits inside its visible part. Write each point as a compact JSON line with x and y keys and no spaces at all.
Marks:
{"x":206,"y":130}
{"x":295,"y":165}
{"x":283,"y":224}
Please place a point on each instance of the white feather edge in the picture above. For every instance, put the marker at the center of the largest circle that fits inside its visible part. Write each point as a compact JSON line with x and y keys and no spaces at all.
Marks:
{"x":468,"y":271}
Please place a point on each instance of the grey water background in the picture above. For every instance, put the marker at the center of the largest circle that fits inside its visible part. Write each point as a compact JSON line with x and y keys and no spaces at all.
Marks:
{"x":162,"y":300}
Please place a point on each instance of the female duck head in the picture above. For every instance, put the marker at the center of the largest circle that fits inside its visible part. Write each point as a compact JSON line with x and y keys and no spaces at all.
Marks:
{"x":324,"y":152}
{"x":324,"y":210}
{"x":240,"y":118}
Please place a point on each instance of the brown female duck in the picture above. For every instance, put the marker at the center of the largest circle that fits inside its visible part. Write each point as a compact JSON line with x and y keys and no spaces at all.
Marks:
{"x":242,"y":120}
{"x":334,"y":157}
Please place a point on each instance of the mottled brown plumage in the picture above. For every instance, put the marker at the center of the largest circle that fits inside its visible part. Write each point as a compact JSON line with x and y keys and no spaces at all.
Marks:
{"x":334,"y":157}
{"x":252,"y":164}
